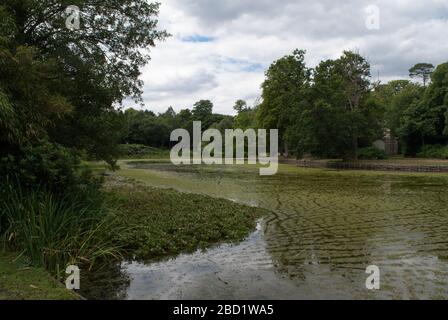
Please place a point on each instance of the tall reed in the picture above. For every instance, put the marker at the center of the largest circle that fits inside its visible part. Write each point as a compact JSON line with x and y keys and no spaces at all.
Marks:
{"x":52,"y":231}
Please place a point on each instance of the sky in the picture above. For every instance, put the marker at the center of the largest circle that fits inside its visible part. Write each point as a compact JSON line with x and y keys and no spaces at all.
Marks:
{"x":220,"y":49}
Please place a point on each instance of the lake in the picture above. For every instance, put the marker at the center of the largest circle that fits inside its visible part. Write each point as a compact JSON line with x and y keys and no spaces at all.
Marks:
{"x":325,"y":229}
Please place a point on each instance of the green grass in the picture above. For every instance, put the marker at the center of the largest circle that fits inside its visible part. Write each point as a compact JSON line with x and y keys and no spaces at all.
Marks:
{"x":55,"y":232}
{"x":155,"y":223}
{"x":19,"y":281}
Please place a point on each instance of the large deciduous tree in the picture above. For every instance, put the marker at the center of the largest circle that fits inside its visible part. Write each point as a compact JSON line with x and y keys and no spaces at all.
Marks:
{"x":284,"y":96}
{"x":425,"y":119}
{"x":342,"y":112}
{"x":203,"y":111}
{"x":246,"y":117}
{"x":62,"y":84}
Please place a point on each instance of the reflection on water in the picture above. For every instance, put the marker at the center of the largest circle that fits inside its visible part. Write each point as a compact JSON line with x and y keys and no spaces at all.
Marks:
{"x":225,"y":272}
{"x":326,"y":228}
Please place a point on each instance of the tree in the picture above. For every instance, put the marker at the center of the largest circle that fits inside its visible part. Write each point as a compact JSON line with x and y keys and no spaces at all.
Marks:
{"x":246,"y":119}
{"x":355,"y":72}
{"x":225,"y":123}
{"x":185,"y":120}
{"x":284,"y":93}
{"x":423,"y":71}
{"x":425,"y":119}
{"x":395,"y":98}
{"x":240,"y":106}
{"x":322,"y":129}
{"x":147,"y":128}
{"x":73,"y":78}
{"x":341,"y":113}
{"x":203,"y":111}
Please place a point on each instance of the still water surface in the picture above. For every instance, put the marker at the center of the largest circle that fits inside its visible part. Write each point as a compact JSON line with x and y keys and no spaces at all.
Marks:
{"x":326,"y":227}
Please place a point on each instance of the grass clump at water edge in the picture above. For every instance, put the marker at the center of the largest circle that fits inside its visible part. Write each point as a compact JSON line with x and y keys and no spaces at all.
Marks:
{"x":53,"y":232}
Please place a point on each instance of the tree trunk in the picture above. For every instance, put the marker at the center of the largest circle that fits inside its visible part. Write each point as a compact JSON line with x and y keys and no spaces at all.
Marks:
{"x":286,"y":151}
{"x":355,"y":147}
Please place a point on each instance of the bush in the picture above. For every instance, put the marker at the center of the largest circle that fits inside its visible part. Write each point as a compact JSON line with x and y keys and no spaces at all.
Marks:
{"x":49,"y":165}
{"x":434,"y":151}
{"x":371,"y":153}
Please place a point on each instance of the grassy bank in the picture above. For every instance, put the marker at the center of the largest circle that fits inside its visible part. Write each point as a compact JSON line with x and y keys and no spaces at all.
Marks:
{"x":18,"y":281}
{"x":53,"y":232}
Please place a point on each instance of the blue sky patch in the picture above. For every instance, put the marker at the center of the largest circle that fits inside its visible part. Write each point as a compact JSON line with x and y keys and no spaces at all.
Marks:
{"x":198,"y":38}
{"x":243,"y":65}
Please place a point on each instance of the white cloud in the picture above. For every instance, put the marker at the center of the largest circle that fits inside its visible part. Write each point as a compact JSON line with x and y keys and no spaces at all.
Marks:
{"x":220,"y":48}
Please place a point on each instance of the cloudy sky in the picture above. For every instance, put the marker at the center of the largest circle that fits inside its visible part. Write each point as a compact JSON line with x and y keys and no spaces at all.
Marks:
{"x":220,"y":49}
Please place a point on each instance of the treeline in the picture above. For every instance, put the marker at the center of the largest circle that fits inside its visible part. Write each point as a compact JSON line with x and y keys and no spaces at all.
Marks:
{"x":147,"y":128}
{"x":334,"y":110}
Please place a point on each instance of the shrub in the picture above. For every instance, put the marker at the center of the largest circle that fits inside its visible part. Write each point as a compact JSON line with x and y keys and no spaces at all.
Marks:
{"x":49,"y":165}
{"x":434,"y":151}
{"x":372,"y":153}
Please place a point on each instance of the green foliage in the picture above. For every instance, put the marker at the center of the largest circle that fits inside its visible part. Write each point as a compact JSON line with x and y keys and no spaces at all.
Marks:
{"x":49,"y":165}
{"x":224,"y":124}
{"x":60,"y":84}
{"x":338,"y":109}
{"x":424,"y":121}
{"x":240,"y":105}
{"x":203,"y":111}
{"x":284,"y":96}
{"x":423,"y":71}
{"x":109,"y":41}
{"x":328,"y":116}
{"x":144,"y":127}
{"x":28,"y":102}
{"x":246,"y":117}
{"x":154,"y":223}
{"x":147,"y":128}
{"x":344,"y":87}
{"x":434,"y":152}
{"x":139,"y":151}
{"x":372,"y":153}
{"x":9,"y":131}
{"x":54,"y":232}
{"x":395,"y":98}
{"x":58,"y":89}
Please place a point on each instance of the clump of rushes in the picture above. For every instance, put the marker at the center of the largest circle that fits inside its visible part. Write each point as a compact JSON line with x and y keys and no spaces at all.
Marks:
{"x":54,"y":232}
{"x":154,"y":223}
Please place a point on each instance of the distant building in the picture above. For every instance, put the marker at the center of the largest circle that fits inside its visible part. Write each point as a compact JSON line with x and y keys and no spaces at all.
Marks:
{"x":388,"y":144}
